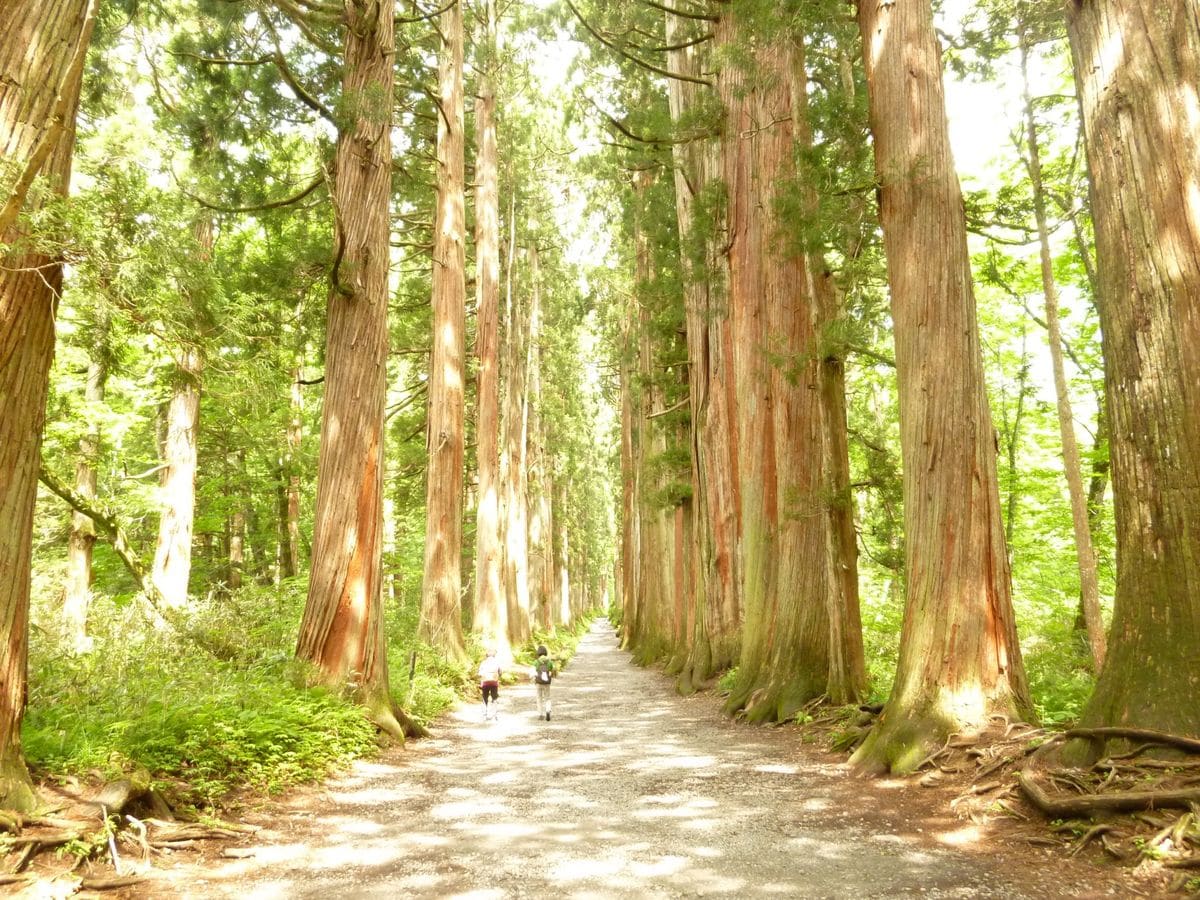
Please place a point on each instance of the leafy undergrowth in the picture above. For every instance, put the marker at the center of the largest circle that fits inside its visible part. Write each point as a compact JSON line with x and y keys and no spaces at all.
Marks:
{"x":207,"y":729}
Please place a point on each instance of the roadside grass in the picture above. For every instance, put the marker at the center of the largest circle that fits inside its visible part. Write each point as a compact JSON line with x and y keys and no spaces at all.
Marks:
{"x":208,"y":728}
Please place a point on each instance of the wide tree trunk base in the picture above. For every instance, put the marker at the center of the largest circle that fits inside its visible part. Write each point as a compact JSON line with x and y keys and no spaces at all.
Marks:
{"x":899,"y":743}
{"x":774,"y":701}
{"x":17,"y":793}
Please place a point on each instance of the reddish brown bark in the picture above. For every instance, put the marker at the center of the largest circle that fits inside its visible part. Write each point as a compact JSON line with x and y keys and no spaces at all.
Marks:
{"x":42,"y":45}
{"x":801,"y":638}
{"x":1137,"y":64}
{"x":491,"y":612}
{"x":441,"y":611}
{"x":513,"y":470}
{"x":960,"y":661}
{"x":342,"y":630}
{"x":714,"y":612}
{"x":540,"y":486}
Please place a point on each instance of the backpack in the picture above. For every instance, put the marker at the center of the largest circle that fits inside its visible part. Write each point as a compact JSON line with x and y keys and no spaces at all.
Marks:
{"x":545,"y":670}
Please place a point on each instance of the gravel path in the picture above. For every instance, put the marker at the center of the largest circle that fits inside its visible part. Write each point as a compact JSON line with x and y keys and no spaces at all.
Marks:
{"x":630,"y":791}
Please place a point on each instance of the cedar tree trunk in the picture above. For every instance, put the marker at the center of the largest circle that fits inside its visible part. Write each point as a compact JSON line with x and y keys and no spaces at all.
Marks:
{"x":1137,"y":66}
{"x":342,"y":630}
{"x":441,"y":606}
{"x":42,"y":48}
{"x":491,"y":613}
{"x":960,"y":662}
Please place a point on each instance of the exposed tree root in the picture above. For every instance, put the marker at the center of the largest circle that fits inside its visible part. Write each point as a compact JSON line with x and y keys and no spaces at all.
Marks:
{"x":1146,"y":736}
{"x":108,"y":884}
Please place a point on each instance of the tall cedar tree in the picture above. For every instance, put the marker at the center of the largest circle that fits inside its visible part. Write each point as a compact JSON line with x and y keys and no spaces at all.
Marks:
{"x":1137,"y":65}
{"x":959,"y":661}
{"x":514,"y":489}
{"x":790,"y":553}
{"x":180,"y":455}
{"x":342,"y":629}
{"x":441,"y":605}
{"x":716,"y":616}
{"x":77,"y":586}
{"x":1085,"y":550}
{"x":43,"y":44}
{"x":441,"y":612}
{"x":490,"y":615}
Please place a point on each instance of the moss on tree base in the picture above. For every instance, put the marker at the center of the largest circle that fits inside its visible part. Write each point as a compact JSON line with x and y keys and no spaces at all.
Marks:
{"x":898,"y":744}
{"x":16,"y":786}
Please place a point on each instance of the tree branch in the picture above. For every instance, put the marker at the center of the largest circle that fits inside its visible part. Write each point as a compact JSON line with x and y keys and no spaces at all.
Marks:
{"x":276,"y":204}
{"x":108,"y":526}
{"x":641,"y":62}
{"x":683,"y":14}
{"x":400,"y":20}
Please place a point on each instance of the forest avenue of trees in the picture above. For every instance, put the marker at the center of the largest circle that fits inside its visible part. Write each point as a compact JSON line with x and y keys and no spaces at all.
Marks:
{"x":747,"y":362}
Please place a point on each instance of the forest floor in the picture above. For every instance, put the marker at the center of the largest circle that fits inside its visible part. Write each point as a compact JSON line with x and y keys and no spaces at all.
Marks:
{"x":629,"y":791}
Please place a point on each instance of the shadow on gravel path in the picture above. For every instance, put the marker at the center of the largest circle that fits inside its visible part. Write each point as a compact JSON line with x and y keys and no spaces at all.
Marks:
{"x":631,"y":792}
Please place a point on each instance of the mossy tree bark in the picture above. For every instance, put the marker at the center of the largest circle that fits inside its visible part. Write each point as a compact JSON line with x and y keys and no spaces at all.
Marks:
{"x":43,"y":44}
{"x":441,"y":607}
{"x":960,"y":662}
{"x":1137,"y":64}
{"x":714,"y":617}
{"x":790,"y":548}
{"x":342,"y":632}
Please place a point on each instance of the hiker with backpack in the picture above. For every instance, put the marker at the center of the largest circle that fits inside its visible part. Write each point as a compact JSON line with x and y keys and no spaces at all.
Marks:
{"x":544,"y":671}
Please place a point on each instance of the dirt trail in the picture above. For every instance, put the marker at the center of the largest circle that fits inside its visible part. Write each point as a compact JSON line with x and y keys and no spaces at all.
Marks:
{"x":630,"y":791}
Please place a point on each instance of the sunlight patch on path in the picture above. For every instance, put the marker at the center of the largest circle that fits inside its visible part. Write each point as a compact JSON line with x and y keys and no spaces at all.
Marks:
{"x":630,"y":792}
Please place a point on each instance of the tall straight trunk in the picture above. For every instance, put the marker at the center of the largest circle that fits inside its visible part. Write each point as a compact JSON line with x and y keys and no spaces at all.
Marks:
{"x":441,"y":606}
{"x":653,"y":553}
{"x":236,"y":526}
{"x":77,"y":591}
{"x":629,"y":565}
{"x":1085,"y":551}
{"x":1137,"y":64}
{"x":790,"y":550}
{"x":341,"y":633}
{"x":541,"y":568}
{"x":562,"y":559}
{"x":177,"y":488}
{"x":491,"y":612}
{"x":960,"y":662}
{"x":514,"y":475}
{"x":237,"y":548}
{"x":715,"y":613}
{"x":289,"y":555}
{"x":42,"y":48}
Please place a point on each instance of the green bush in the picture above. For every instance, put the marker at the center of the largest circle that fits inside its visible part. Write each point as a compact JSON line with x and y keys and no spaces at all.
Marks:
{"x":202,"y":726}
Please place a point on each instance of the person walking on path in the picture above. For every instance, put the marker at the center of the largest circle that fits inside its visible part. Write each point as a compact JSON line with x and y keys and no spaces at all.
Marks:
{"x":544,"y":671}
{"x":489,"y":684}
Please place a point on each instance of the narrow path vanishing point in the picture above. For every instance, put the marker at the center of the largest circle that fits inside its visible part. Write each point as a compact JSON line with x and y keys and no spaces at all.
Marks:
{"x":630,"y":791}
